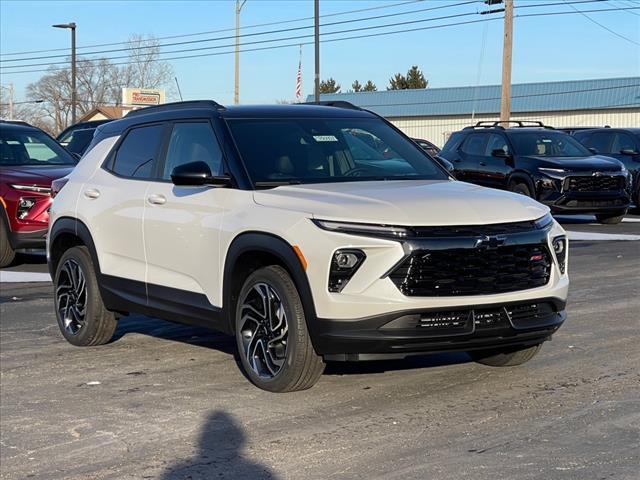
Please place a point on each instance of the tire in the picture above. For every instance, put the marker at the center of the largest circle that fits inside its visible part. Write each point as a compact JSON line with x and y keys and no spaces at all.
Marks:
{"x":505,"y":358}
{"x":610,"y":219}
{"x":269,"y":310}
{"x":82,"y":317}
{"x":7,"y":254}
{"x":521,"y":188}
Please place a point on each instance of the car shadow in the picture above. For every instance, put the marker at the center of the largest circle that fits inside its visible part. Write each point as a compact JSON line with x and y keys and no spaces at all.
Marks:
{"x":220,"y":454}
{"x":413,"y":362}
{"x":166,"y":330}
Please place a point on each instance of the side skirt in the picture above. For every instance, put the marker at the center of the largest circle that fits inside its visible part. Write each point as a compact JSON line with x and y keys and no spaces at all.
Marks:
{"x":181,"y":306}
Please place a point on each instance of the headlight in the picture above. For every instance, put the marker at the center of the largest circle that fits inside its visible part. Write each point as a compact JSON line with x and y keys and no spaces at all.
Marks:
{"x":364,"y":229}
{"x":344,"y":264}
{"x":24,"y":207}
{"x":31,"y":188}
{"x":553,"y":172}
{"x":544,"y":222}
{"x":560,"y":250}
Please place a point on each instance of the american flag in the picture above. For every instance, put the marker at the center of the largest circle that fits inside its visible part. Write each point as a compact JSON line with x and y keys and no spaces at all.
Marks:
{"x":299,"y":78}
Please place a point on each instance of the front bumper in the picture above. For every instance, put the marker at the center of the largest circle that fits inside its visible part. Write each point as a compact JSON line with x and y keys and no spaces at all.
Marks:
{"x":402,"y":334}
{"x":23,"y":240}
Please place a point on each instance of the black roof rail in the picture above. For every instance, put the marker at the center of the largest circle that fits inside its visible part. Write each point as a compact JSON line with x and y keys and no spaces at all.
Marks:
{"x":176,"y":105}
{"x":333,"y":103}
{"x":16,"y":122}
{"x":518,"y":123}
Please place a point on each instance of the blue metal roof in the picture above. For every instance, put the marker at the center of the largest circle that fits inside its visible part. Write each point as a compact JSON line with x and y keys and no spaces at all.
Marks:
{"x":525,"y":97}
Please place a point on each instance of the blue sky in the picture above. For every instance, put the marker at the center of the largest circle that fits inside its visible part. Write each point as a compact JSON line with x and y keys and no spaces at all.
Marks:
{"x":562,"y":47}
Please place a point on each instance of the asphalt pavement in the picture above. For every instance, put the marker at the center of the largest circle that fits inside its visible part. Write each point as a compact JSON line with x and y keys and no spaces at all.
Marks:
{"x":164,"y":401}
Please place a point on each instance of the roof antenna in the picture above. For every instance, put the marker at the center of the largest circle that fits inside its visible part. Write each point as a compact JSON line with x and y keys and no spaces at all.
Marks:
{"x":178,"y":85}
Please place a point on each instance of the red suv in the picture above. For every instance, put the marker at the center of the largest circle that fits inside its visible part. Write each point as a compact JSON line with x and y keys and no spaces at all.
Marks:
{"x":29,"y":161}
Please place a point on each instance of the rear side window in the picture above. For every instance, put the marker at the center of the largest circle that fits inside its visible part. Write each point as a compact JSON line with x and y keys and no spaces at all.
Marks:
{"x":496,"y":142}
{"x":453,"y":143}
{"x":137,"y":155}
{"x":474,"y":145}
{"x":623,"y":141}
{"x":192,"y":142}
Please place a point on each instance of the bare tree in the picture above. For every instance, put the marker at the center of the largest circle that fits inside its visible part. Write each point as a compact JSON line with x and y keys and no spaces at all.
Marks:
{"x":99,"y":82}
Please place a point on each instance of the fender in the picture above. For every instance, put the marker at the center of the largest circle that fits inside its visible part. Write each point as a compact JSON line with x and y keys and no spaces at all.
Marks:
{"x":77,"y":228}
{"x":522,"y":175}
{"x":279,"y":248}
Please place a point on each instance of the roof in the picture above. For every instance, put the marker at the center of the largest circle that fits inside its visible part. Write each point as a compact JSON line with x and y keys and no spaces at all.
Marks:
{"x":525,"y":97}
{"x":291,"y":111}
{"x":108,"y":112}
{"x":16,"y":125}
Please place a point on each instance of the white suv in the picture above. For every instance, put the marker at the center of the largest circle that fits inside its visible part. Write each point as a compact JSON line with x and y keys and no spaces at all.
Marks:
{"x":310,"y":232}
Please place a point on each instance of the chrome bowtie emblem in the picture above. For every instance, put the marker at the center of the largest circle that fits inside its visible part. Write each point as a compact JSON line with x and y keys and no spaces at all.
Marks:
{"x":597,"y":174}
{"x":490,"y":242}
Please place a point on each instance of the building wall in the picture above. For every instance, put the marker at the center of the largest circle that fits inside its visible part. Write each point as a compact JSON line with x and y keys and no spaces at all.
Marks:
{"x":438,"y":129}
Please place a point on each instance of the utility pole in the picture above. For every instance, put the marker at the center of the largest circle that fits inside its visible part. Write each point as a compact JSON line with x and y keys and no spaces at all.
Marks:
{"x":236,"y":86}
{"x":74,"y":99}
{"x":316,"y":20}
{"x":505,"y":98}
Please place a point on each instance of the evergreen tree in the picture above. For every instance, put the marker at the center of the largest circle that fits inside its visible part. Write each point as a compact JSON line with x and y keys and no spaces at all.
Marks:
{"x":415,"y":78}
{"x":329,"y":86}
{"x":356,"y":86}
{"x":369,"y":87}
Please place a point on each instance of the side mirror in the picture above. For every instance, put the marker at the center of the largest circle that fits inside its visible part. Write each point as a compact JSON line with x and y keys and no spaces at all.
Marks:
{"x":593,"y":150}
{"x":500,"y":153}
{"x":196,"y":174}
{"x":445,"y":163}
{"x":629,"y":151}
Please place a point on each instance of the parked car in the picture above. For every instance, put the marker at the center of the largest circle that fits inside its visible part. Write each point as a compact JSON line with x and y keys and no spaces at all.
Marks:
{"x":542,"y":163}
{"x":29,"y":161}
{"x":427,"y":146}
{"x":266,"y":223}
{"x":620,"y":143}
{"x":76,"y":138}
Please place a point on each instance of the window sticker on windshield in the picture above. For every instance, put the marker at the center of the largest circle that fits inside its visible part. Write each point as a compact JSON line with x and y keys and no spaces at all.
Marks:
{"x":546,"y":140}
{"x":325,"y":138}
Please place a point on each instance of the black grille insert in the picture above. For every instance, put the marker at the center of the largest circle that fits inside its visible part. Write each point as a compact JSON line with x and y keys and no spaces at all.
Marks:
{"x":601,"y":183}
{"x":474,"y":230}
{"x":473,"y":271}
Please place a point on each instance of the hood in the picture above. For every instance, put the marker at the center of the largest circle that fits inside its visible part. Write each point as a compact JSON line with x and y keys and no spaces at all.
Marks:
{"x":34,"y":175}
{"x":415,"y":202}
{"x":579,"y":164}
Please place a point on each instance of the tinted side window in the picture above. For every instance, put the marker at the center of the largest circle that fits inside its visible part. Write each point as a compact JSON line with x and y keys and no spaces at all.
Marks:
{"x":623,"y":141}
{"x":474,"y":145}
{"x":601,"y":141}
{"x":192,"y":142}
{"x":496,"y":142}
{"x":137,"y":155}
{"x":454,"y":142}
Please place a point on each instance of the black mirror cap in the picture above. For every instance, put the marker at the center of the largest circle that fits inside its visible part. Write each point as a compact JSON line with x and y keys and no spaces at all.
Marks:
{"x":197,"y":174}
{"x":629,"y":151}
{"x":445,"y":163}
{"x":498,"y":152}
{"x":593,"y":150}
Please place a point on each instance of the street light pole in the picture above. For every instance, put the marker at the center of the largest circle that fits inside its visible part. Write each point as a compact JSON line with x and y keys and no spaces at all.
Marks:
{"x":316,"y":17}
{"x":236,"y":86}
{"x":74,"y":100}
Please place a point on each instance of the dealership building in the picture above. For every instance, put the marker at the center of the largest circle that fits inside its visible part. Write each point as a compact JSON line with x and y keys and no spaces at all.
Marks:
{"x":434,"y":113}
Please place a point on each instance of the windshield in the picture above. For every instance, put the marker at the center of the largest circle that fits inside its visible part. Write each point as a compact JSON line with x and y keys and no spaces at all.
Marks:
{"x":315,"y":150}
{"x":31,"y":147}
{"x":547,"y":144}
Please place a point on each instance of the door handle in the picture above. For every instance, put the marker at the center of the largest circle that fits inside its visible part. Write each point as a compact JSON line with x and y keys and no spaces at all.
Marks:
{"x":457,"y":160}
{"x":92,"y":193}
{"x":157,"y":199}
{"x":483,"y":164}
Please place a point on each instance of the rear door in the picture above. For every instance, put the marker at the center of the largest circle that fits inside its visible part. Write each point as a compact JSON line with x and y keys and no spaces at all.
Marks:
{"x":112,"y":204}
{"x":182,"y":224}
{"x":470,"y":154}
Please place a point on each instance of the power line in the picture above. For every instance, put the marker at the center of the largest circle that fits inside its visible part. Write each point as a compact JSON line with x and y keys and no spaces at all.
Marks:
{"x":228,"y":37}
{"x":280,"y":22}
{"x":619,"y":35}
{"x":379,"y":34}
{"x":297,"y":37}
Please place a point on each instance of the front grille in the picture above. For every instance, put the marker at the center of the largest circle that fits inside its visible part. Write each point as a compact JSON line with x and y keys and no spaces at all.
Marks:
{"x":479,"y":319}
{"x":473,"y":271}
{"x":617,"y":202}
{"x":593,"y":183}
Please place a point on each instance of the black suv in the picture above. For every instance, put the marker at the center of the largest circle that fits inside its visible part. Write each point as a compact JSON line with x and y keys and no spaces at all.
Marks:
{"x":542,"y":163}
{"x":76,"y":138}
{"x":620,"y":143}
